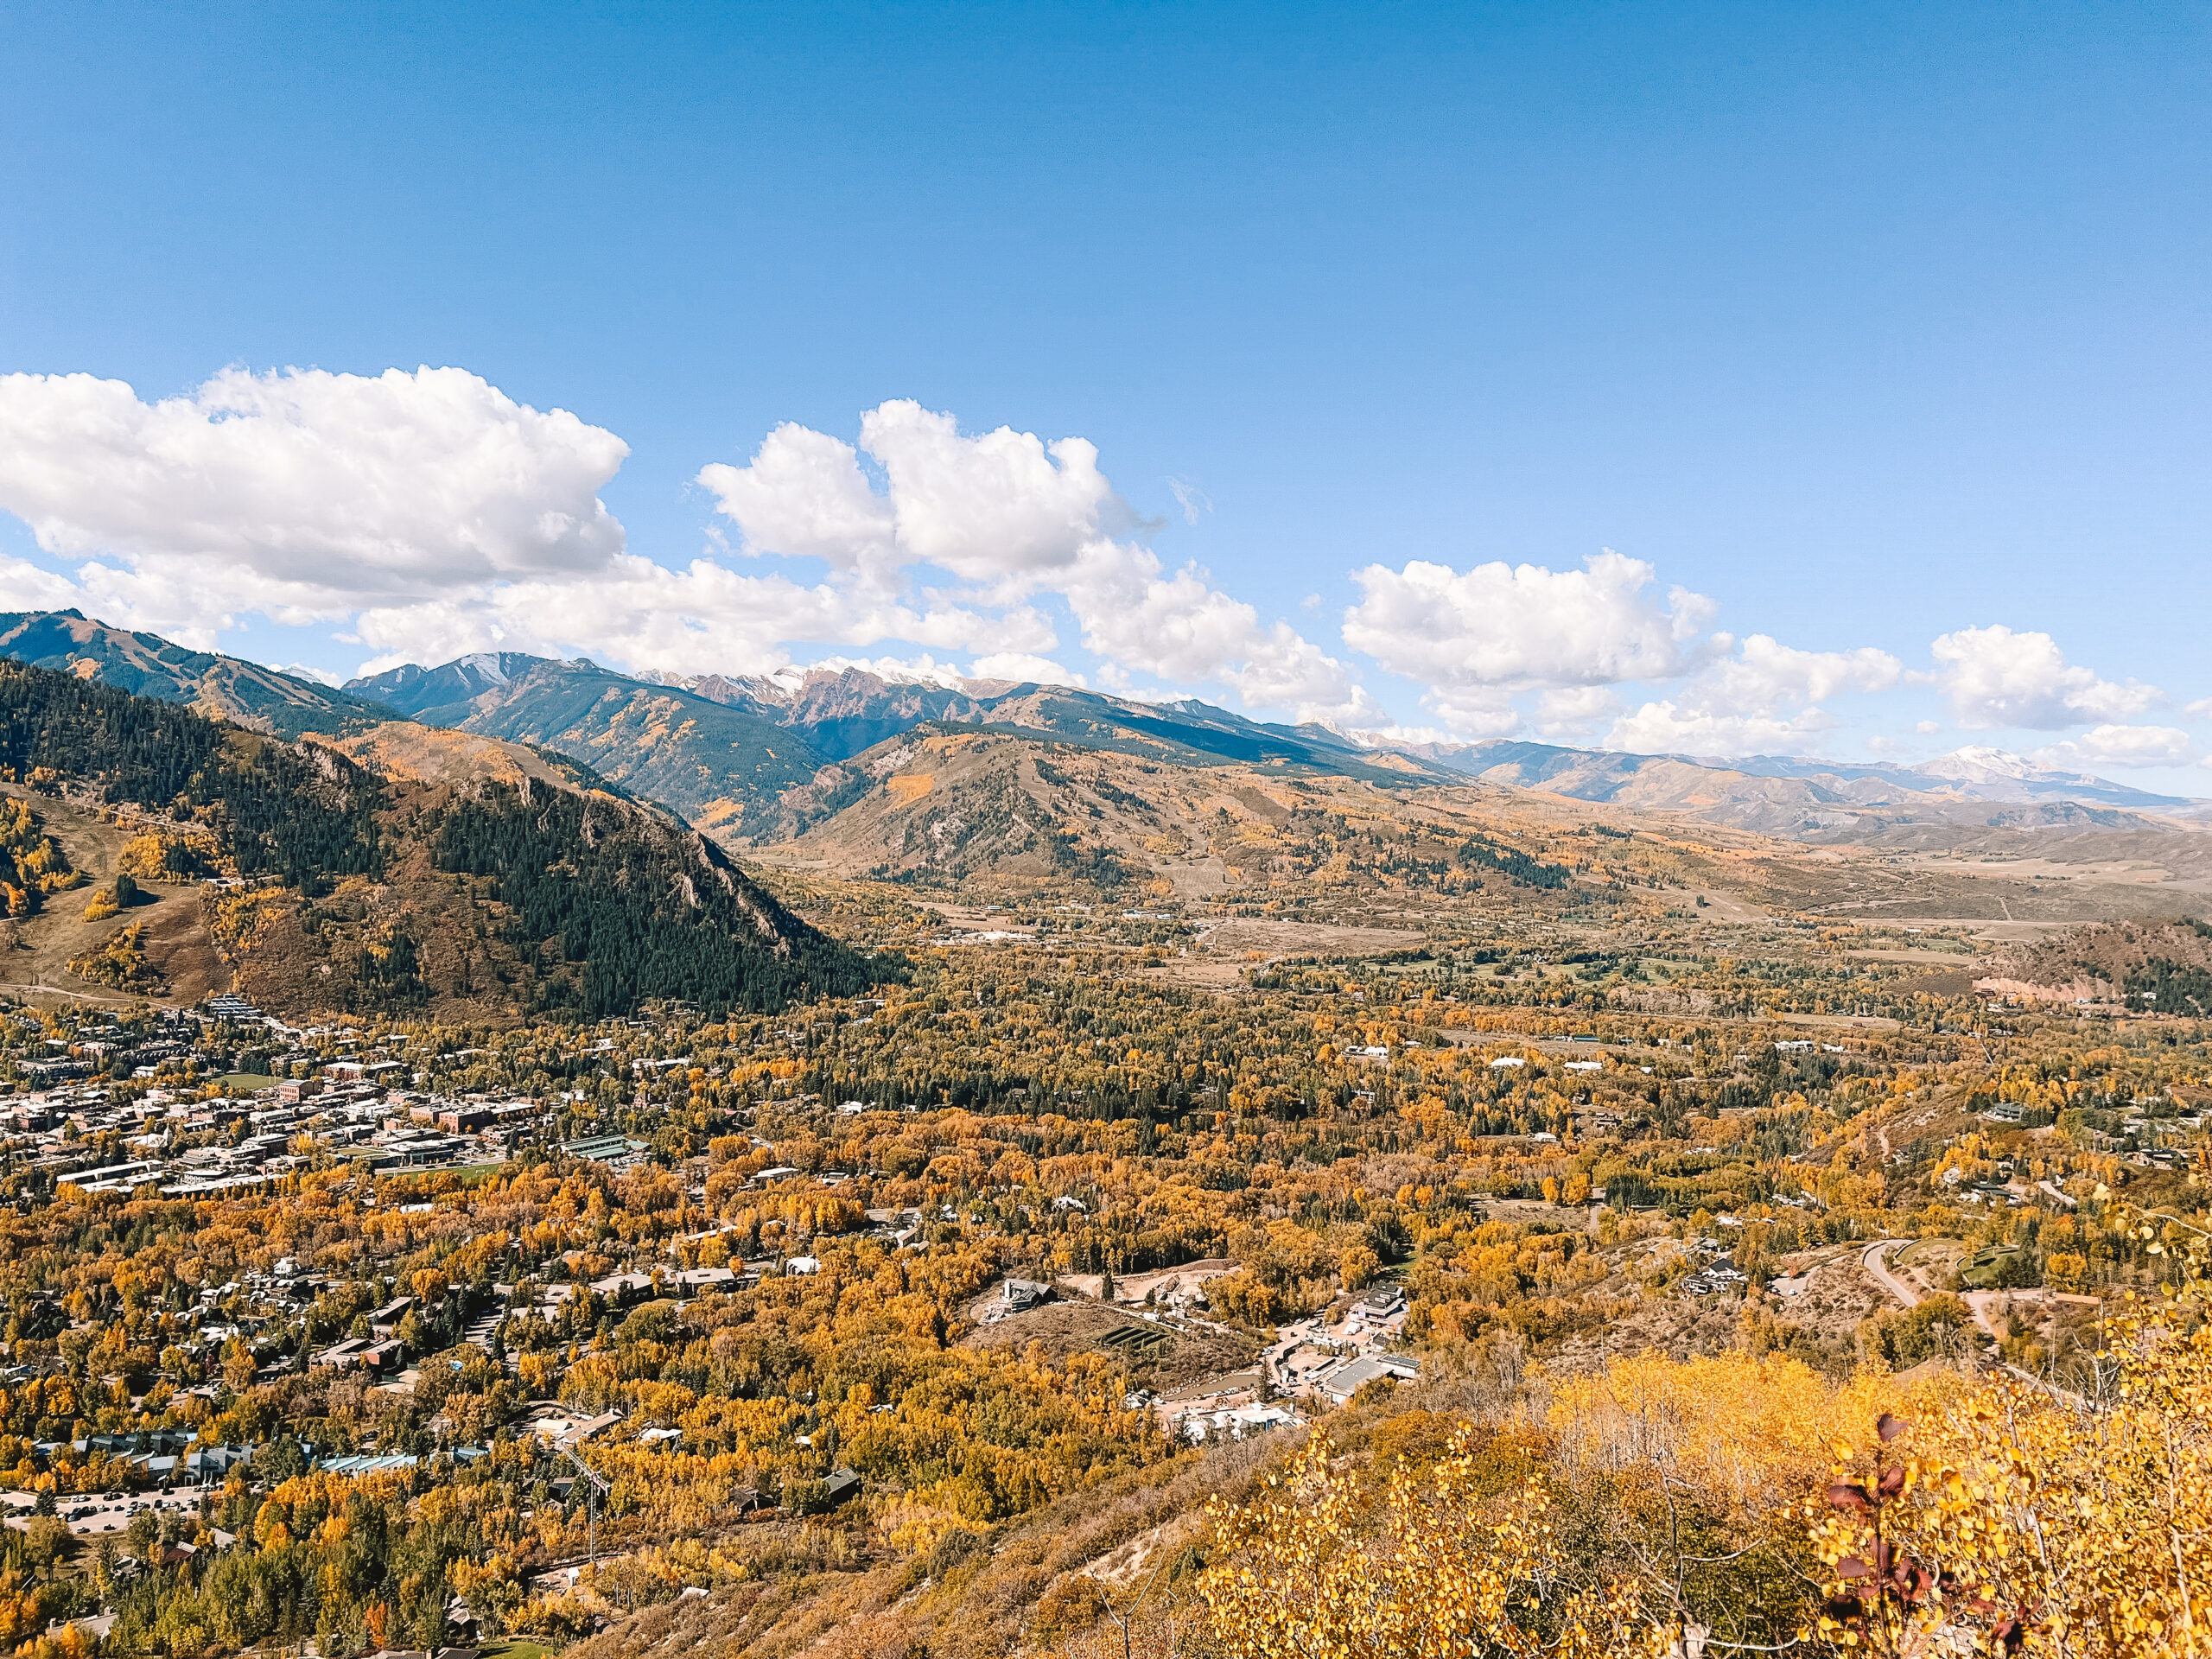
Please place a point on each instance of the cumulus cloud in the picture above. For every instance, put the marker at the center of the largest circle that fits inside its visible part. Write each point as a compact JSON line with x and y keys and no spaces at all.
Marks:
{"x":1021,"y":665}
{"x":2201,"y":710}
{"x":804,"y":495}
{"x":437,"y":516}
{"x":1575,"y":712}
{"x":1764,"y":672}
{"x":301,"y":493}
{"x":1524,"y":627}
{"x":1993,"y":676}
{"x":28,"y":588}
{"x":1766,"y":696}
{"x":1001,"y":510}
{"x":1668,"y":728}
{"x":1010,"y":516}
{"x":2114,"y":745}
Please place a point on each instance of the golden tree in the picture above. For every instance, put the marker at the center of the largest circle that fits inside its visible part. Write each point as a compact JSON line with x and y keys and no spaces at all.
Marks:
{"x":2018,"y":1517}
{"x":1442,"y":1571}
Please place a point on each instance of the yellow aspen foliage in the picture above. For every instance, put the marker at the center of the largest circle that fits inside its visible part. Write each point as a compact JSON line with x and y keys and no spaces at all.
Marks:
{"x":2017,"y":1517}
{"x":1444,"y":1571}
{"x":1752,"y":1432}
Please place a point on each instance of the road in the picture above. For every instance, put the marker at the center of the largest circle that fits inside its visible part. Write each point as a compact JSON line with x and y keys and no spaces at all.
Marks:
{"x":1879,"y":1270}
{"x":1871,"y":1259}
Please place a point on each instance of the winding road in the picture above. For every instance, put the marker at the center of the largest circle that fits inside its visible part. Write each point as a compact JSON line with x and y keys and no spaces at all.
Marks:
{"x":1879,"y":1270}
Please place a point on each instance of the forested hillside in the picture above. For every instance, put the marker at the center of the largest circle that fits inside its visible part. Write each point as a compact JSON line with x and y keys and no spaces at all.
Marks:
{"x":721,"y":768}
{"x":245,"y":694}
{"x":302,"y":813}
{"x":633,"y":908}
{"x":403,"y":869}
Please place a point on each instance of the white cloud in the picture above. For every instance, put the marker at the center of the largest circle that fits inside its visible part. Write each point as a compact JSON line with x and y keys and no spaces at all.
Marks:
{"x":1523,"y":627}
{"x":1764,"y":698}
{"x":1012,"y":516}
{"x":1194,"y":501}
{"x":1477,"y":636}
{"x":1927,"y":728}
{"x":24,"y":587}
{"x":436,"y":516}
{"x":804,"y":495}
{"x":2201,"y":710}
{"x":301,"y":493}
{"x":1575,"y":712}
{"x":2119,"y":745}
{"x":1476,"y":714}
{"x":1001,"y":509}
{"x":1764,"y":673}
{"x":1993,"y":676}
{"x":1021,"y":665}
{"x":1666,"y":728}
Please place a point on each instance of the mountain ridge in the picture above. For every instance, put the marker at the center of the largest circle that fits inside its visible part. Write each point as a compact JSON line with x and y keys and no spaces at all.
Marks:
{"x":246,"y":693}
{"x":400,"y":868}
{"x":755,"y":761}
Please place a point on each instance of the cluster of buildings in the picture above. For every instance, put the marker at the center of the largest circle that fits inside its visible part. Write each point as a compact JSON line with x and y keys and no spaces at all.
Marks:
{"x":1323,"y":1360}
{"x":102,"y":1140}
{"x":1715,"y":1275}
{"x":1332,"y":1356}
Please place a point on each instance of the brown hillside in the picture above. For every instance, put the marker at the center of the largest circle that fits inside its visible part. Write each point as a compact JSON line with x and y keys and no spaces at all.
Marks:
{"x":2097,"y":962}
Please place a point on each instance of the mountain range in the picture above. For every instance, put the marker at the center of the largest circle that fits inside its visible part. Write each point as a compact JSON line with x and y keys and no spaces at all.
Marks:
{"x":397,"y":867}
{"x":755,"y":759}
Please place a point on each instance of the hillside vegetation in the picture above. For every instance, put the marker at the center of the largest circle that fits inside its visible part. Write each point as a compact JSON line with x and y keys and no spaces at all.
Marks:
{"x":402,"y":869}
{"x":1103,"y":1179}
{"x":244,"y":694}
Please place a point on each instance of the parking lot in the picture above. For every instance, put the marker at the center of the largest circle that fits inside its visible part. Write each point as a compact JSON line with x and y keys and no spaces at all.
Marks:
{"x":90,"y":1514}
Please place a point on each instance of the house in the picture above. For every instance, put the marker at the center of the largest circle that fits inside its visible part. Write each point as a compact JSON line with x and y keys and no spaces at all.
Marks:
{"x":343,"y":1354}
{"x":841,"y":1487}
{"x":1235,"y":1422}
{"x":1344,"y":1381}
{"x":1022,"y":1294}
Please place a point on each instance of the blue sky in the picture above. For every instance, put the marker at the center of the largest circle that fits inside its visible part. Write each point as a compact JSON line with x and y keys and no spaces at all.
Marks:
{"x":1868,"y":327}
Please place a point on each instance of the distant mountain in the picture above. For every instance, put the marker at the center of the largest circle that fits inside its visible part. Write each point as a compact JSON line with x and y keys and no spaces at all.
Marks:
{"x":1795,"y":796}
{"x":844,"y":712}
{"x":841,"y":712}
{"x":755,"y":758}
{"x":444,"y":695}
{"x":758,"y":758}
{"x":1991,"y":774}
{"x":405,"y":868}
{"x":723,"y":768}
{"x":147,"y":665}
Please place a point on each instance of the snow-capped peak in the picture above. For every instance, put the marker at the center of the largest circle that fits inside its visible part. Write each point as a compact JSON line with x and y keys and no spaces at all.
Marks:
{"x":1979,"y":763}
